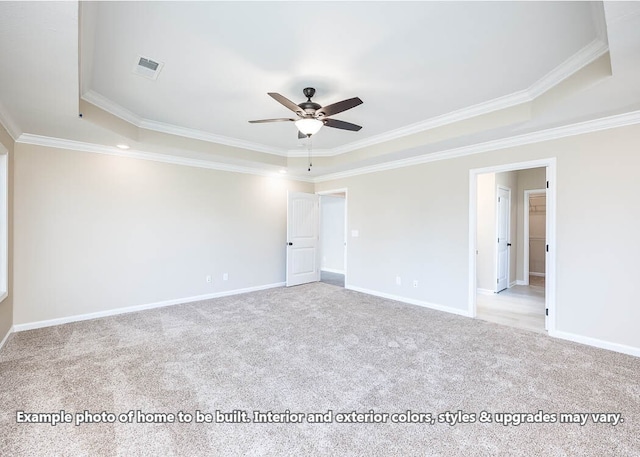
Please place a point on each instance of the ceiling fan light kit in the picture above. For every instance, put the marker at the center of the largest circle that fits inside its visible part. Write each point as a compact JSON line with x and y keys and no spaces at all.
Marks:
{"x":313,"y":116}
{"x":309,"y":126}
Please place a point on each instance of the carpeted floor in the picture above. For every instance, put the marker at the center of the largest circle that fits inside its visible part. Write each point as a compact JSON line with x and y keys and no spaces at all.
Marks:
{"x":305,"y":349}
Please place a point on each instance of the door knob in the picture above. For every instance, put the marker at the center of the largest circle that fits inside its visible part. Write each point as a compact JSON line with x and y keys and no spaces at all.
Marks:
{"x":508,"y":244}
{"x":290,"y":244}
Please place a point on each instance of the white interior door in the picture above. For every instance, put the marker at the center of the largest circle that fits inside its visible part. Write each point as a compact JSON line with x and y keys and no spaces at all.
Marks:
{"x":504,"y":214}
{"x":302,"y":238}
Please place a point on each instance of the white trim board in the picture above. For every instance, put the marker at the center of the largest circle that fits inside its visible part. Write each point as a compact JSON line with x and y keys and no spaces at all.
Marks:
{"x":332,"y":270}
{"x":610,"y":122}
{"x":59,"y":143}
{"x":113,"y":108}
{"x":595,"y":125}
{"x":136,"y":308}
{"x":595,"y":342}
{"x":533,"y":273}
{"x":411,"y":301}
{"x":588,"y":341}
{"x":6,"y":337}
{"x":570,"y":66}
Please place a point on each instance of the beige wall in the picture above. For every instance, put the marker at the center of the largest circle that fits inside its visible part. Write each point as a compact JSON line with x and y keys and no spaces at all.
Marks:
{"x":415,"y":221}
{"x":6,"y":306}
{"x":97,"y":232}
{"x":533,"y":178}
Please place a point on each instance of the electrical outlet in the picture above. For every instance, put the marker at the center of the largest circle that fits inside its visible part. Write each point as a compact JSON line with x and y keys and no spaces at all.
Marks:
{"x":225,"y":276}
{"x":398,"y":281}
{"x":208,"y":279}
{"x":415,"y":283}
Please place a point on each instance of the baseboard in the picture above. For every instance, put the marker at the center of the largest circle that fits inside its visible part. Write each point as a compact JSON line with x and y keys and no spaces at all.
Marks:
{"x":135,"y":308}
{"x":6,"y":337}
{"x":512,"y":284}
{"x":520,"y":282}
{"x":534,"y":273}
{"x":331,"y":270}
{"x":485,"y":291}
{"x":411,"y":301}
{"x":629,"y":350}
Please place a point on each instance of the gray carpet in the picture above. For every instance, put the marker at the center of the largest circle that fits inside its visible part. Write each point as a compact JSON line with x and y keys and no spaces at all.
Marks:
{"x":311,"y":348}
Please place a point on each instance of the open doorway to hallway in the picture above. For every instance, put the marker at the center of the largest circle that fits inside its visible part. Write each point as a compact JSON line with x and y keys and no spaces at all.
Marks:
{"x":511,"y":240}
{"x":333,"y":223}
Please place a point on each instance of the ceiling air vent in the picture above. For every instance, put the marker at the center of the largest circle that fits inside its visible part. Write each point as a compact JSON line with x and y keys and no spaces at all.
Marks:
{"x":147,"y":67}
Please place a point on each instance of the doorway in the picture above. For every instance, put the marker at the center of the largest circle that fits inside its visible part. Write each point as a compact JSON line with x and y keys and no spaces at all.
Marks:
{"x":333,"y":237}
{"x":500,"y":248}
{"x":535,"y":217}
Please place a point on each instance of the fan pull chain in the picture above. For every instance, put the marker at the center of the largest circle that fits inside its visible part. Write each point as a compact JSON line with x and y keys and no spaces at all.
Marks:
{"x":309,"y":151}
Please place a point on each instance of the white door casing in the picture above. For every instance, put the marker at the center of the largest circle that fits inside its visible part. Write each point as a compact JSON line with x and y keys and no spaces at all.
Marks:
{"x":303,"y":264}
{"x":503,"y":210}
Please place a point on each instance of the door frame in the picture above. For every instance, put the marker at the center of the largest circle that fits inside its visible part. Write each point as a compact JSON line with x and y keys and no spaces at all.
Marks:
{"x":550,"y":263}
{"x":344,"y":191}
{"x":525,"y":257}
{"x":497,"y":251}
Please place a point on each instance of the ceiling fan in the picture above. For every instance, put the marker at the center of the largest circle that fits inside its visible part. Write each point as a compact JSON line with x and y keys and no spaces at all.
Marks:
{"x":312,"y":116}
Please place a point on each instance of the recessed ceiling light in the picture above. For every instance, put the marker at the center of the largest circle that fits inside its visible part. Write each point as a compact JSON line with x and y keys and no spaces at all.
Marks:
{"x":123,"y":146}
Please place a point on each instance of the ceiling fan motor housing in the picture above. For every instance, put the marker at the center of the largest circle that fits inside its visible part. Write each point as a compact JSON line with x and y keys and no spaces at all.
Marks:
{"x":309,"y":107}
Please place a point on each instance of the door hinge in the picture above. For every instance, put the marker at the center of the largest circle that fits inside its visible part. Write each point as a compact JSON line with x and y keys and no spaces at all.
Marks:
{"x":546,"y":311}
{"x":547,"y":248}
{"x":497,"y":281}
{"x":498,"y":199}
{"x":547,"y":184}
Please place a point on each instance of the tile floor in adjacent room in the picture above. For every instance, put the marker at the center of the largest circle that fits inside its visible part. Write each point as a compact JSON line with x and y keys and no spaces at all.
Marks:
{"x":519,"y":306}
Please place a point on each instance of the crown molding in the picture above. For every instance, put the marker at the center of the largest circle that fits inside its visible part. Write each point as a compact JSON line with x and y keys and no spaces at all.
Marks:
{"x":574,"y":63}
{"x":445,"y":119}
{"x":111,"y":107}
{"x":210,"y":137}
{"x":619,"y":120}
{"x":9,"y":124}
{"x":60,"y":143}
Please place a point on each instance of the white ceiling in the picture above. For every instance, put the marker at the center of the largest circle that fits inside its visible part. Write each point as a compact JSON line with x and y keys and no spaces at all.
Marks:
{"x":412,"y":63}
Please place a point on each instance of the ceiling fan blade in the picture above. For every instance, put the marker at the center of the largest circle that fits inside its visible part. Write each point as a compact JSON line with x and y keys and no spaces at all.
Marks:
{"x":339,"y":107}
{"x":336,"y":124}
{"x":301,"y":135}
{"x":281,"y":119}
{"x":286,"y":102}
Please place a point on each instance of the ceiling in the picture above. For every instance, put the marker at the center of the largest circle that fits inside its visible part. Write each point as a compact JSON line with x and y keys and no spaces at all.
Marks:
{"x":434,"y":76}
